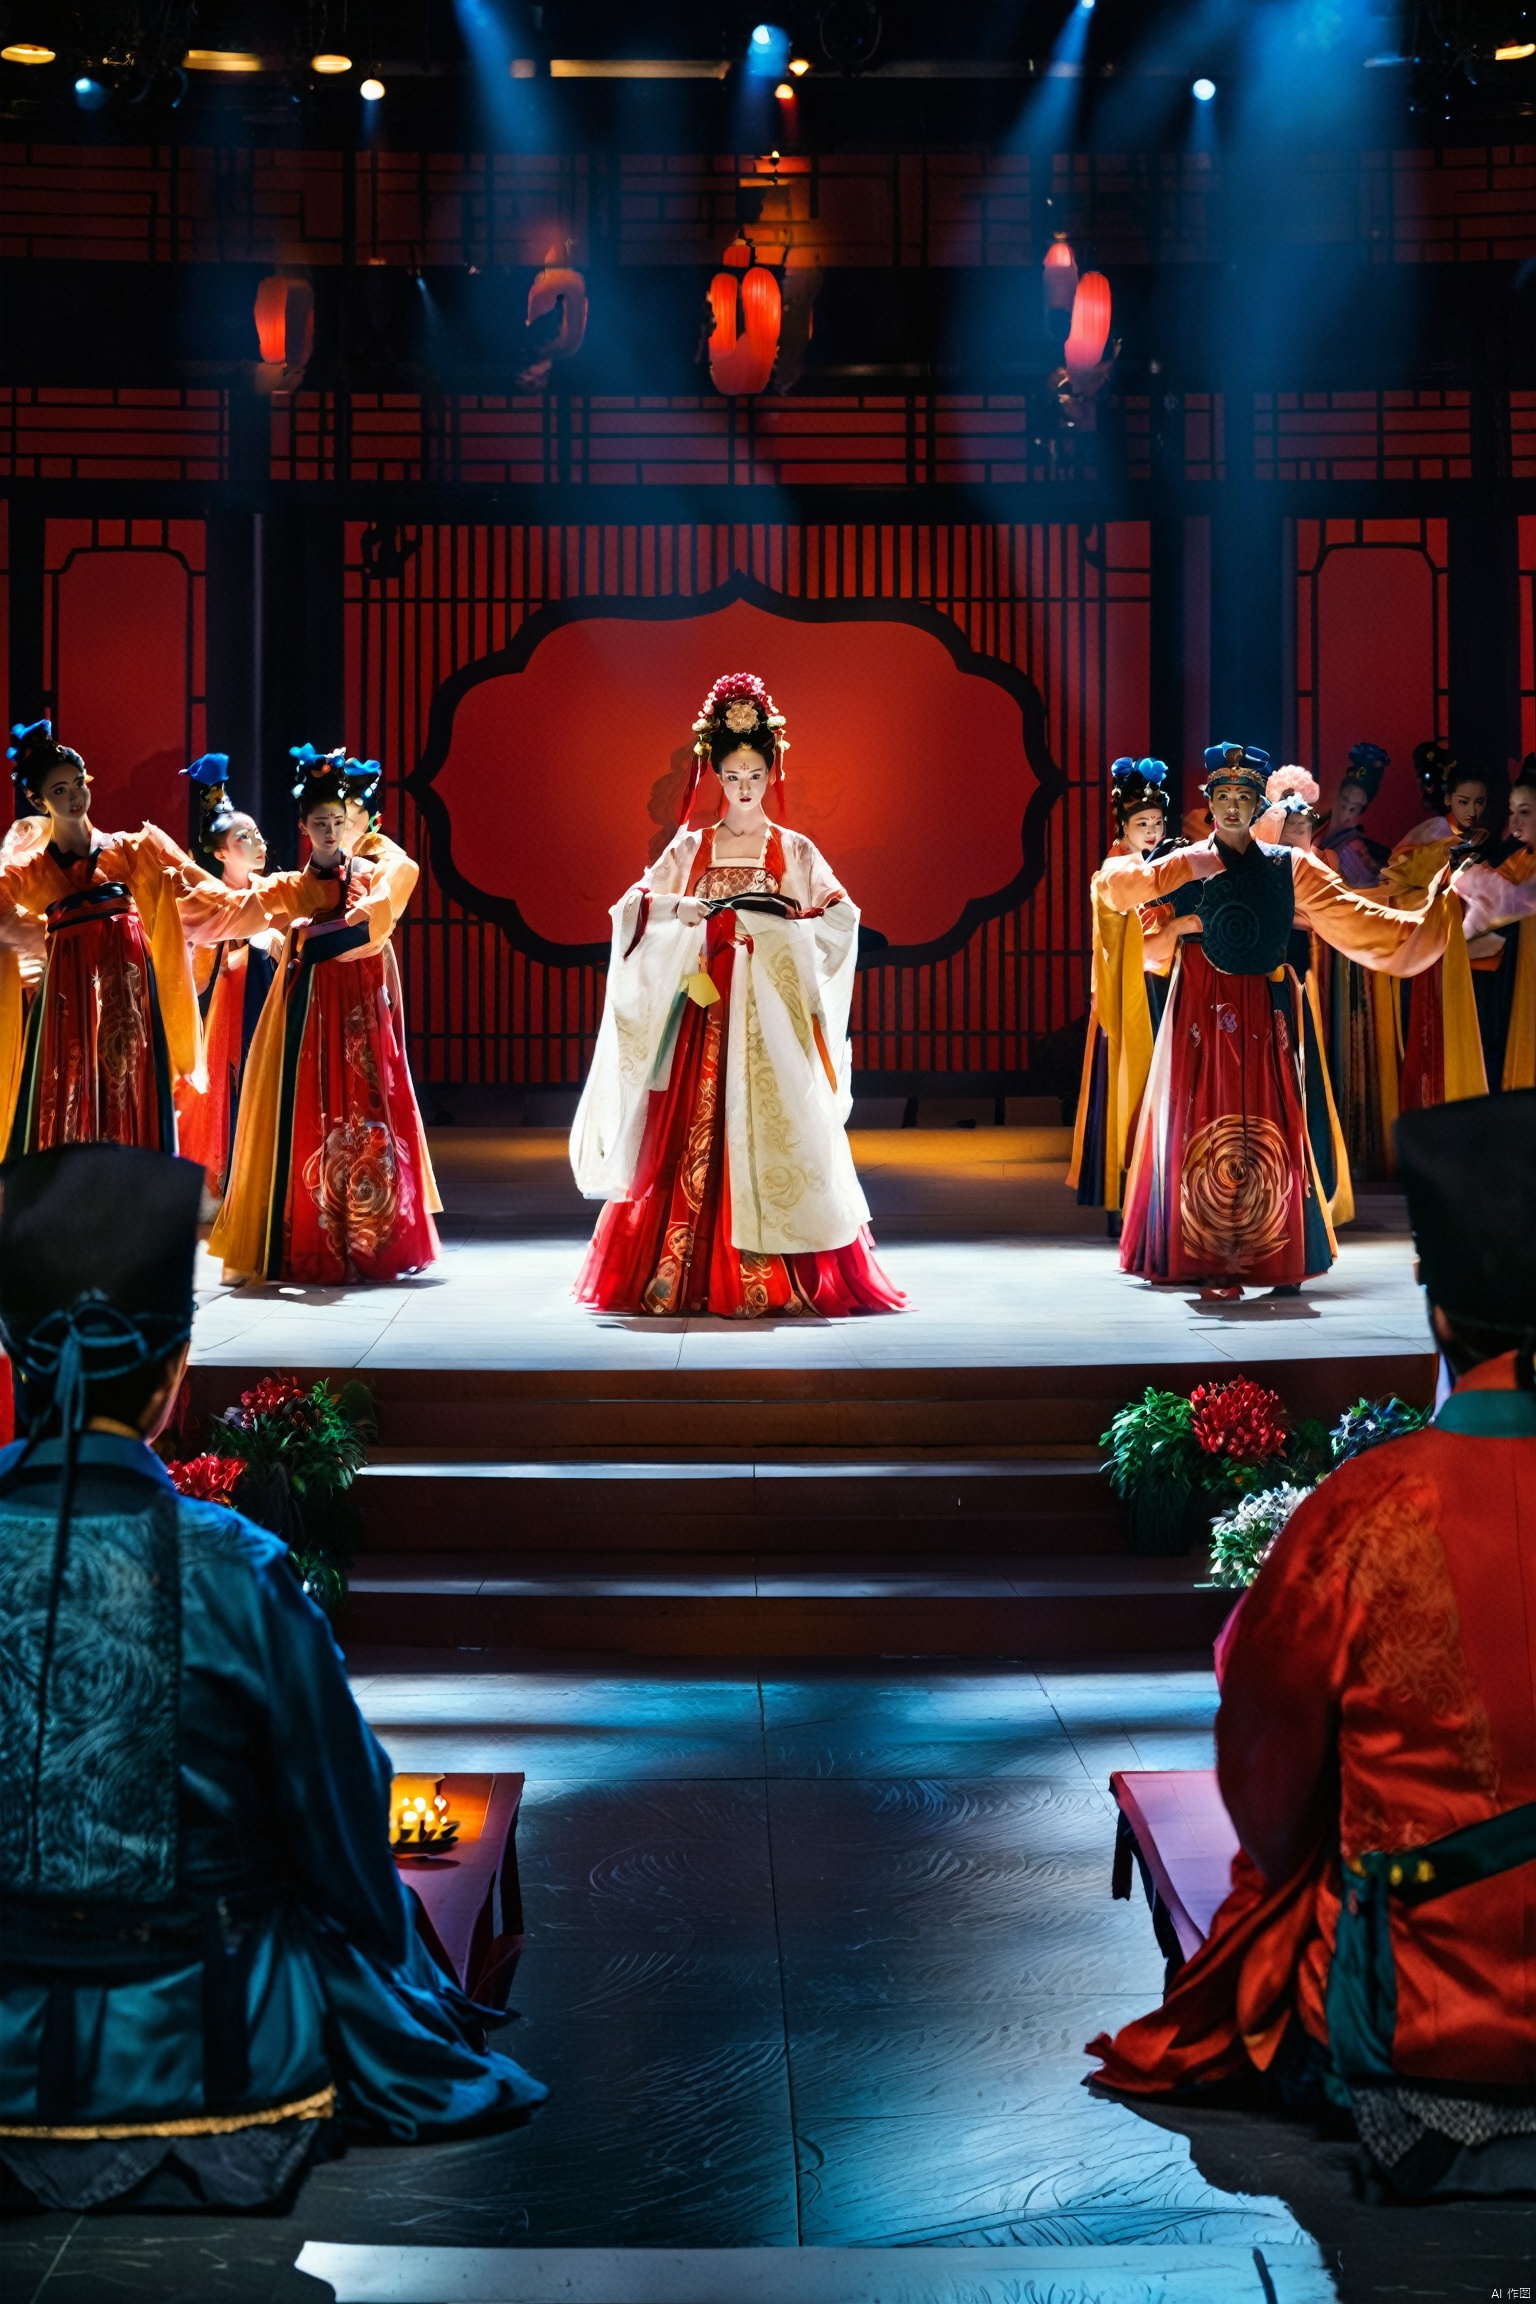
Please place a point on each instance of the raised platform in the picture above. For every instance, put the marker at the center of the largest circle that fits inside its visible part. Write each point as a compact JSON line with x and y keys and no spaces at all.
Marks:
{"x":917,"y":1484}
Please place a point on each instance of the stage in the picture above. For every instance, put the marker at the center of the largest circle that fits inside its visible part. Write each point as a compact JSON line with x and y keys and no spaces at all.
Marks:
{"x":922,"y":1483}
{"x":1002,"y":1268}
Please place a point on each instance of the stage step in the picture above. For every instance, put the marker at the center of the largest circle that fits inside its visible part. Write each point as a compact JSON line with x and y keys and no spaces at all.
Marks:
{"x":722,"y":1414}
{"x":812,"y":1506}
{"x":777,"y":1605}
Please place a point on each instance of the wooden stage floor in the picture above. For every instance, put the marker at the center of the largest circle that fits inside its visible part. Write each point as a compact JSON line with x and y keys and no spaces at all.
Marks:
{"x":1002,"y":1268}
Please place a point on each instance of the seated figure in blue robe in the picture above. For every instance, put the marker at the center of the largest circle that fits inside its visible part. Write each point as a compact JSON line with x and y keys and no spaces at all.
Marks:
{"x":209,"y":1969}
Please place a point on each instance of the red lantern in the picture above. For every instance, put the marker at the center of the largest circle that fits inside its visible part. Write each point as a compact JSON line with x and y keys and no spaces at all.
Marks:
{"x":1059,"y":275}
{"x":1089,"y":332}
{"x":285,"y":331}
{"x":558,"y":284}
{"x":741,"y":357}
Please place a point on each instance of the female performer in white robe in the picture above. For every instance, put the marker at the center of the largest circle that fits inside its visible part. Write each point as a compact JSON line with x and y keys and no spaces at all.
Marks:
{"x":713,"y":1122}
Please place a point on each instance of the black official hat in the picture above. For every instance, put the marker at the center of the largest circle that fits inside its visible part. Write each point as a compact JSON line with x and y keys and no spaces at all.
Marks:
{"x":1469,"y":1171}
{"x":97,"y":1245}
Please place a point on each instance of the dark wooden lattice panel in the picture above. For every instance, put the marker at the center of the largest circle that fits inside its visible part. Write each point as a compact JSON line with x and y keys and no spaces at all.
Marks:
{"x":1362,"y":436}
{"x":77,"y":433}
{"x":1068,"y":606}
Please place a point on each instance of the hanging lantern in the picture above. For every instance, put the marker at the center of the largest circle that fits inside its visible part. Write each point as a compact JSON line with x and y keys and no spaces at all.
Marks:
{"x":557,"y":288}
{"x":1058,"y":280}
{"x":741,"y":355}
{"x":558,"y":285}
{"x":1089,"y":332}
{"x":285,"y":331}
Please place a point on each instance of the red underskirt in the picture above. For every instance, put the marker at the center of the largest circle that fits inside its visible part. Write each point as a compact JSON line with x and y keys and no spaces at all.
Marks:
{"x":667,"y":1250}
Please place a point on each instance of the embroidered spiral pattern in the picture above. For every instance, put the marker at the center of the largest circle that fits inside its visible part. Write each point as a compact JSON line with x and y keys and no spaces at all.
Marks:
{"x":1234,"y":1193}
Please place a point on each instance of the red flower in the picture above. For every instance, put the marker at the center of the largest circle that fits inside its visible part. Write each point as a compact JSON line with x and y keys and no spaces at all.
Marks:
{"x":211,"y":1479}
{"x":272,"y":1395}
{"x":1240,"y":1420}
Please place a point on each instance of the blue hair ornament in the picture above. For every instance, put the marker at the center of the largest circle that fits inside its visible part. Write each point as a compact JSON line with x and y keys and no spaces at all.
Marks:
{"x":1152,"y":771}
{"x":212,"y":768}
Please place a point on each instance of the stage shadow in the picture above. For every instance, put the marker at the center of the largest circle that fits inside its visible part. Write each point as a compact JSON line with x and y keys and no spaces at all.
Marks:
{"x":1260,"y":1310}
{"x":1374,"y":2248}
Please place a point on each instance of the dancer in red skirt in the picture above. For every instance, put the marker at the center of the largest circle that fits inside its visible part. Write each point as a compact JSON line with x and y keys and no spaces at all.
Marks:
{"x":714,"y":1119}
{"x":330,"y":1180}
{"x":114,"y":1023}
{"x":1223,"y":1188}
{"x":232,"y":978}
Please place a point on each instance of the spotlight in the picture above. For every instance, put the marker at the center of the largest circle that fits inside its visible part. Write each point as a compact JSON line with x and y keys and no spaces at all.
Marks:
{"x":762,"y":35}
{"x":372,"y":91}
{"x":90,"y":95}
{"x":1085,"y":4}
{"x":799,"y":65}
{"x":784,"y":92}
{"x":330,"y":65}
{"x":1515,"y":53}
{"x":767,"y":50}
{"x":1203,"y":90}
{"x":26,"y":52}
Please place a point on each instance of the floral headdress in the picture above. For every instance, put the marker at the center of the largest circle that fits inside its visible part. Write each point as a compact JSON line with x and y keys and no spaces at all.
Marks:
{"x":1138,"y":784}
{"x":1291,"y":791}
{"x":1368,"y":763}
{"x":738,"y":706}
{"x":322,"y":775}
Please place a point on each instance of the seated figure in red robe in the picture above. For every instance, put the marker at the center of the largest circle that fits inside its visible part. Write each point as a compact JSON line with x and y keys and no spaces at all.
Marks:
{"x":1376,"y":1742}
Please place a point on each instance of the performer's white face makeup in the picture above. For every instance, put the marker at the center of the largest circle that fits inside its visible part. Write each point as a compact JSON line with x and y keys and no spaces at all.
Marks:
{"x":1233,"y":810}
{"x":359,"y":822}
{"x":241,"y":852}
{"x":1143,"y":830}
{"x":1522,"y":815}
{"x":1466,"y":804}
{"x":325,"y":825}
{"x":1349,"y":807}
{"x":744,"y":779}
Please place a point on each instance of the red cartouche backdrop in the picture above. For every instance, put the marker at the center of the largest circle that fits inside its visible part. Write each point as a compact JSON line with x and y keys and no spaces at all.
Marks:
{"x":910,"y":774}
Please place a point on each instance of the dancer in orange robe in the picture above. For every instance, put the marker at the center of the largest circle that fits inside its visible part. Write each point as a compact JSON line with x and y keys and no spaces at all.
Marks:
{"x":1361,"y":1008}
{"x":115,"y":1022}
{"x":1128,"y":989}
{"x":1442,"y":1037}
{"x":1378,"y":1701}
{"x":1223,"y":1189}
{"x":1519,"y":869}
{"x":232,"y":978}
{"x":713,"y":1122}
{"x":329,"y":1181}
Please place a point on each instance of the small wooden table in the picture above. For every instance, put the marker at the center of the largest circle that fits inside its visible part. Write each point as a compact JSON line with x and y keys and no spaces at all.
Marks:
{"x":471,"y":1901}
{"x":1174,"y":1830}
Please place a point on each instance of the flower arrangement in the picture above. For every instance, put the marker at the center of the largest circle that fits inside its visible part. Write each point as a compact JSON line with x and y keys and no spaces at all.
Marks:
{"x":1176,"y":1461}
{"x":1241,"y":1539}
{"x":287,"y":1458}
{"x":211,"y":1479}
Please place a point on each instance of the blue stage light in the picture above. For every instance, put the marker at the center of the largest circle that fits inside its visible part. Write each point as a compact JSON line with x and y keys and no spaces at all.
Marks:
{"x":90,"y":95}
{"x":1203,"y":90}
{"x":767,"y":50}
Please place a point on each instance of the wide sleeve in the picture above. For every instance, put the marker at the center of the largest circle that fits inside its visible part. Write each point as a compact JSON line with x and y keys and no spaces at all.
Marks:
{"x":330,"y":1776}
{"x":1125,"y":883}
{"x":651,"y":954}
{"x":1377,"y":935}
{"x":401,"y":872}
{"x":1283,"y":1668}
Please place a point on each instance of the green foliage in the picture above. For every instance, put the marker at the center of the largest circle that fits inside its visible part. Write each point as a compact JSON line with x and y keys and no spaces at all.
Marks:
{"x":1151,"y":1443}
{"x":1308,"y":1453}
{"x":1241,"y":1538}
{"x":302,"y":1451}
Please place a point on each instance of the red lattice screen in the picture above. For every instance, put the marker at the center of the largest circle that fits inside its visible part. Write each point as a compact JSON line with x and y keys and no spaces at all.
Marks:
{"x":1068,"y":606}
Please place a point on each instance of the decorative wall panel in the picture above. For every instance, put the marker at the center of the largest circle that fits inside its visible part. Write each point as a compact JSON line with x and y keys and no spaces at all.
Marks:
{"x":1065,"y":611}
{"x":1371,"y":653}
{"x":123,"y":638}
